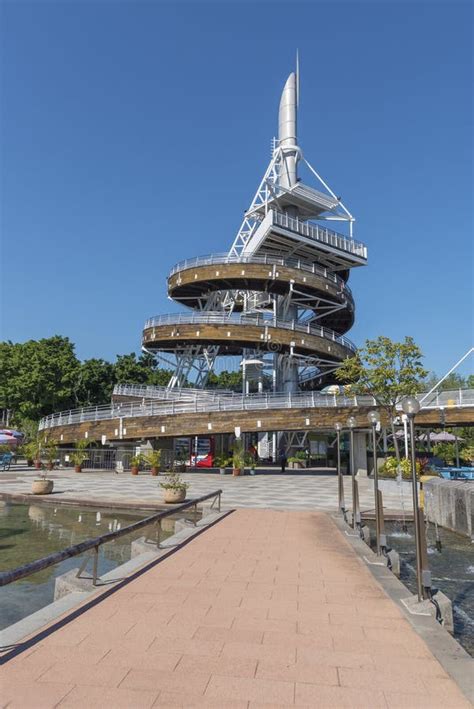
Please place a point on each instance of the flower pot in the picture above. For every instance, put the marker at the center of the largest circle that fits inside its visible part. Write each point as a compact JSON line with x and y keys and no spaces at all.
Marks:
{"x":236,"y":472}
{"x":174,"y":495}
{"x":42,"y":487}
{"x":30,"y":462}
{"x":222,"y":471}
{"x":49,"y":466}
{"x":154,"y":470}
{"x":38,"y":464}
{"x":78,"y":468}
{"x":134,"y":469}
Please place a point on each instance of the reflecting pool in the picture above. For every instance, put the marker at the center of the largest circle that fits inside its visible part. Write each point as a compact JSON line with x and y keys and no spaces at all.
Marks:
{"x":31,"y":531}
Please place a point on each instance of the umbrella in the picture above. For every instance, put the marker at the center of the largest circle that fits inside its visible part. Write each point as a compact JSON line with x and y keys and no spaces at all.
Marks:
{"x":444,"y":437}
{"x":11,"y":432}
{"x":6,"y":439}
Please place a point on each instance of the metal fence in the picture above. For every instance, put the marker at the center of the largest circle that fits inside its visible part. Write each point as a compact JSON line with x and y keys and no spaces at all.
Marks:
{"x":321,"y":234}
{"x":239,"y":402}
{"x":259,"y":320}
{"x":116,"y":459}
{"x":93,"y":545}
{"x":219,"y":259}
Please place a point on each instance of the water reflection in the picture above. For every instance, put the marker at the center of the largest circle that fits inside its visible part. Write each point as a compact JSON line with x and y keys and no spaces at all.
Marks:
{"x":451,"y":559}
{"x":29,"y":532}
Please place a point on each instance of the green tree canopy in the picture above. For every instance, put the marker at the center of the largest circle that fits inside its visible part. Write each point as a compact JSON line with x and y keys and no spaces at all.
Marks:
{"x":386,"y":370}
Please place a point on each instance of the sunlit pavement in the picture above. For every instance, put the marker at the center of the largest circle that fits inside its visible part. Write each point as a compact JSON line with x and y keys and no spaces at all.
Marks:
{"x":306,"y":490}
{"x":266,"y":608}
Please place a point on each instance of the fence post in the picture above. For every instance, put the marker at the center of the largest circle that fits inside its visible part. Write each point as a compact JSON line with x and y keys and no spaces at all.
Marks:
{"x":94,"y":566}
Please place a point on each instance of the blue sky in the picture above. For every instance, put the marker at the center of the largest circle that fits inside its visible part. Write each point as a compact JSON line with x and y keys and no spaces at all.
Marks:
{"x":135,"y":134}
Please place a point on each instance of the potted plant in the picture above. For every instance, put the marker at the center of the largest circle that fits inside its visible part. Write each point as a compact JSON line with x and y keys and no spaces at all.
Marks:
{"x":35,"y":449}
{"x":135,"y":462}
{"x":221,"y":462}
{"x":250,"y":463}
{"x":50,"y":453}
{"x":29,"y":451}
{"x":153,"y":458}
{"x":80,"y":455}
{"x":174,"y":489}
{"x":42,"y":486}
{"x":179,"y":465}
{"x":238,"y":457}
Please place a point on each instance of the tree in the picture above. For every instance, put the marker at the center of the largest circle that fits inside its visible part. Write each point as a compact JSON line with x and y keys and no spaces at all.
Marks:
{"x":37,"y":377}
{"x":226,"y":380}
{"x":94,"y":382}
{"x":386,"y":370}
{"x":453,"y":381}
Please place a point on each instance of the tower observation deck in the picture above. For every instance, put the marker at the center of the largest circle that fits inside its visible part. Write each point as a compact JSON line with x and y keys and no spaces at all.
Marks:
{"x":278,"y":300}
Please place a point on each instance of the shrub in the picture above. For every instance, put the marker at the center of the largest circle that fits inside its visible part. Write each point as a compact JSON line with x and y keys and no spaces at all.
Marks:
{"x":389,"y":469}
{"x":173,"y":482}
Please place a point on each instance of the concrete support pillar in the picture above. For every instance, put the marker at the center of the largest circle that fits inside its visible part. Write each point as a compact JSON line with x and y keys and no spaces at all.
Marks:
{"x":360,"y":453}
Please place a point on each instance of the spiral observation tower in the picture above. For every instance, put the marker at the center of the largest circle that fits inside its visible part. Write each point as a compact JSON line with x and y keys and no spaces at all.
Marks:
{"x":278,"y":300}
{"x":276,"y":304}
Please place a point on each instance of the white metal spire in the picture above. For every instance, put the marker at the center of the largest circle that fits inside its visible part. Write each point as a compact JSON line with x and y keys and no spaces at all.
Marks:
{"x":287,"y":131}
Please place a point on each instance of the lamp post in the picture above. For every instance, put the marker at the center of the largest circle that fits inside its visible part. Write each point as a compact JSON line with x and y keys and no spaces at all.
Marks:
{"x":374,"y":419}
{"x":411,"y":406}
{"x":351,"y":424}
{"x":340,"y":483}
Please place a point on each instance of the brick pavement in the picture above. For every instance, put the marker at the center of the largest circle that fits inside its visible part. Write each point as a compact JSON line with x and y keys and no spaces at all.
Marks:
{"x":265,"y":609}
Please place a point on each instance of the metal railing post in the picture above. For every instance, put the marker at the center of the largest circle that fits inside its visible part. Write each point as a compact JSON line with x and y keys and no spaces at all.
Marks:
{"x":95,"y":565}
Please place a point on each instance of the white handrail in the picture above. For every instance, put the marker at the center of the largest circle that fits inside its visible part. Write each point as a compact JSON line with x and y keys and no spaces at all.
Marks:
{"x":258,"y":320}
{"x":238,"y":402}
{"x":219,"y":259}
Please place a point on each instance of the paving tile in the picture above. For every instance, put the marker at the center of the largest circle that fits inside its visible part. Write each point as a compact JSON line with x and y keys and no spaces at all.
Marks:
{"x":228,"y":666}
{"x":176,"y":681}
{"x":176,"y":699}
{"x":312,"y":695}
{"x":82,"y":697}
{"x":131,"y":658}
{"x":94,"y":675}
{"x":297,"y":672}
{"x":33,"y":695}
{"x":259,"y":651}
{"x":381,"y":679}
{"x":229,"y":634}
{"x":231,"y":688}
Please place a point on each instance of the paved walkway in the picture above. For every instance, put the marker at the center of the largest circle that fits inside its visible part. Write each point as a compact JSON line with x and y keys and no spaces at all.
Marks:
{"x":267,"y":609}
{"x":297,"y":491}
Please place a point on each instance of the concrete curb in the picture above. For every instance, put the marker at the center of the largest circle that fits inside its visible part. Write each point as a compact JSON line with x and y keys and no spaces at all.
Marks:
{"x":449,"y":653}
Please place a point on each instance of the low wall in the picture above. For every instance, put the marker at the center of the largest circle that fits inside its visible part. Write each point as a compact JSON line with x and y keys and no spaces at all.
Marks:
{"x":450,"y":503}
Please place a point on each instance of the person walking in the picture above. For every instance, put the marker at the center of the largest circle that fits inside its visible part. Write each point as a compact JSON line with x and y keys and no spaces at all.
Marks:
{"x":283,"y":460}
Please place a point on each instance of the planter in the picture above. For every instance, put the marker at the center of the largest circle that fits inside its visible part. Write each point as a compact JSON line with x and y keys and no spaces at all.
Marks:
{"x":174,"y":495}
{"x":134,"y":469}
{"x":236,"y":472}
{"x":222,"y":471}
{"x":30,"y":462}
{"x":49,"y":466}
{"x":154,"y":470}
{"x":42,"y":487}
{"x":78,"y":468}
{"x":252,"y":471}
{"x":38,"y":464}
